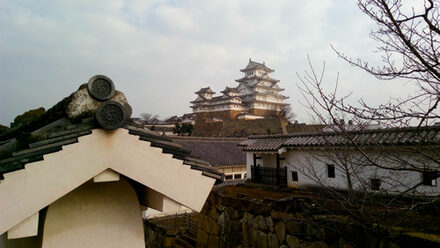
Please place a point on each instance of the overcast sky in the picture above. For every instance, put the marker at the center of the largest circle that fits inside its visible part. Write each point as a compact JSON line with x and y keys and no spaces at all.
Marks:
{"x":158,"y":53}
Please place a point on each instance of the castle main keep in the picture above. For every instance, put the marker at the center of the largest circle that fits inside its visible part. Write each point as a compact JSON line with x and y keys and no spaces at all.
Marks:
{"x":257,"y":96}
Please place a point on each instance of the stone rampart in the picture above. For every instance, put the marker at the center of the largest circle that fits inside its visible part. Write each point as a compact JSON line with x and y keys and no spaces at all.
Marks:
{"x":238,"y":128}
{"x":227,"y":221}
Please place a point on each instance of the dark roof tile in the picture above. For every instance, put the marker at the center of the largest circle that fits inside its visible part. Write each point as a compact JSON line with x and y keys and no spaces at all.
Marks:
{"x":217,"y":153}
{"x":391,"y":136}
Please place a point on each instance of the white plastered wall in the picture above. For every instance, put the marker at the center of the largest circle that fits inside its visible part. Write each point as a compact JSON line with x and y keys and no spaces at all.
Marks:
{"x":95,"y":215}
{"x":312,"y":170}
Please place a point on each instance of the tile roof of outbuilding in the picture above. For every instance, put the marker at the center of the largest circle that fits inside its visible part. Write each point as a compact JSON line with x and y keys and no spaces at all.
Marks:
{"x":217,"y":151}
{"x":378,"y":137}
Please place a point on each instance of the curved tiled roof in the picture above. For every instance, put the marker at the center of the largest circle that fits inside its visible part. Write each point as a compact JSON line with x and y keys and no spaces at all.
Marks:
{"x":379,"y":137}
{"x":205,"y":90}
{"x":266,"y":78}
{"x":217,"y":152}
{"x":68,"y":133}
{"x":255,"y":65}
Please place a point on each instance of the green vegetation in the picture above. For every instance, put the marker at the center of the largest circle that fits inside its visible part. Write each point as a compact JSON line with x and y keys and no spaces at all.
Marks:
{"x":3,"y":129}
{"x":27,"y":117}
{"x":183,"y":129}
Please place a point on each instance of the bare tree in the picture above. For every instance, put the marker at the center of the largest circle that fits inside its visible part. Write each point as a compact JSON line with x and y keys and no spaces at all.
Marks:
{"x":286,"y":114}
{"x":409,"y":43}
{"x":148,"y":118}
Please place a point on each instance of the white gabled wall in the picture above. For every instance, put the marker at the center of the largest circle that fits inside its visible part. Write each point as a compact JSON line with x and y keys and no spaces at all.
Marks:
{"x":95,"y":215}
{"x":25,"y":192}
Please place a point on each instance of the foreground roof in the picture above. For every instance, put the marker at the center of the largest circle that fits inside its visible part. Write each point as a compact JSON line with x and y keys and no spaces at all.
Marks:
{"x":378,"y":137}
{"x":65,"y":133}
{"x":90,"y":135}
{"x":57,"y":129}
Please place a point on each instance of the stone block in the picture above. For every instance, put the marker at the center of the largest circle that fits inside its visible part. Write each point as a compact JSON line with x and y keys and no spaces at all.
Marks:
{"x":317,"y":244}
{"x":213,"y":242}
{"x":260,"y":208}
{"x":200,"y":217}
{"x":168,"y":242}
{"x":260,"y":223}
{"x":270,"y":224}
{"x":282,"y":216}
{"x":253,"y":237}
{"x":248,"y":218}
{"x":341,"y":243}
{"x":235,"y":239}
{"x":229,"y":202}
{"x":172,"y":232}
{"x":205,"y":225}
{"x":213,"y":213}
{"x":321,"y":233}
{"x":236,"y":226}
{"x":261,"y":239}
{"x":245,"y":232}
{"x":387,"y":244}
{"x":243,"y":205}
{"x":213,"y":227}
{"x":233,"y":213}
{"x":211,"y":198}
{"x":224,"y":223}
{"x":292,"y":241}
{"x":202,"y":238}
{"x":280,"y":231}
{"x":272,"y":241}
{"x":296,"y":228}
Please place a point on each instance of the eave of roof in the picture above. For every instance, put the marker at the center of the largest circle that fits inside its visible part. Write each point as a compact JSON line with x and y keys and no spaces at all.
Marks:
{"x":267,"y":78}
{"x":205,"y":90}
{"x":56,"y":140}
{"x":378,"y":137}
{"x":253,"y":65}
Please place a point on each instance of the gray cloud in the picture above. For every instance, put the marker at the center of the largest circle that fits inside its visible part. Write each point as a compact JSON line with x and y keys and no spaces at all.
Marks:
{"x":160,"y":52}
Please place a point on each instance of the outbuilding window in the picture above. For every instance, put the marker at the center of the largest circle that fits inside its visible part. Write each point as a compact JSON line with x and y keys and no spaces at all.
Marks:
{"x":429,"y":178}
{"x":295,"y":176}
{"x":375,"y":183}
{"x":331,"y":171}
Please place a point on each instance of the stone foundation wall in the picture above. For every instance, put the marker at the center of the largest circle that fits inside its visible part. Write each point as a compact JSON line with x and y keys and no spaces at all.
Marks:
{"x":157,"y":236}
{"x":242,"y":222}
{"x":226,"y":114}
{"x":264,"y":112}
{"x":238,"y":128}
